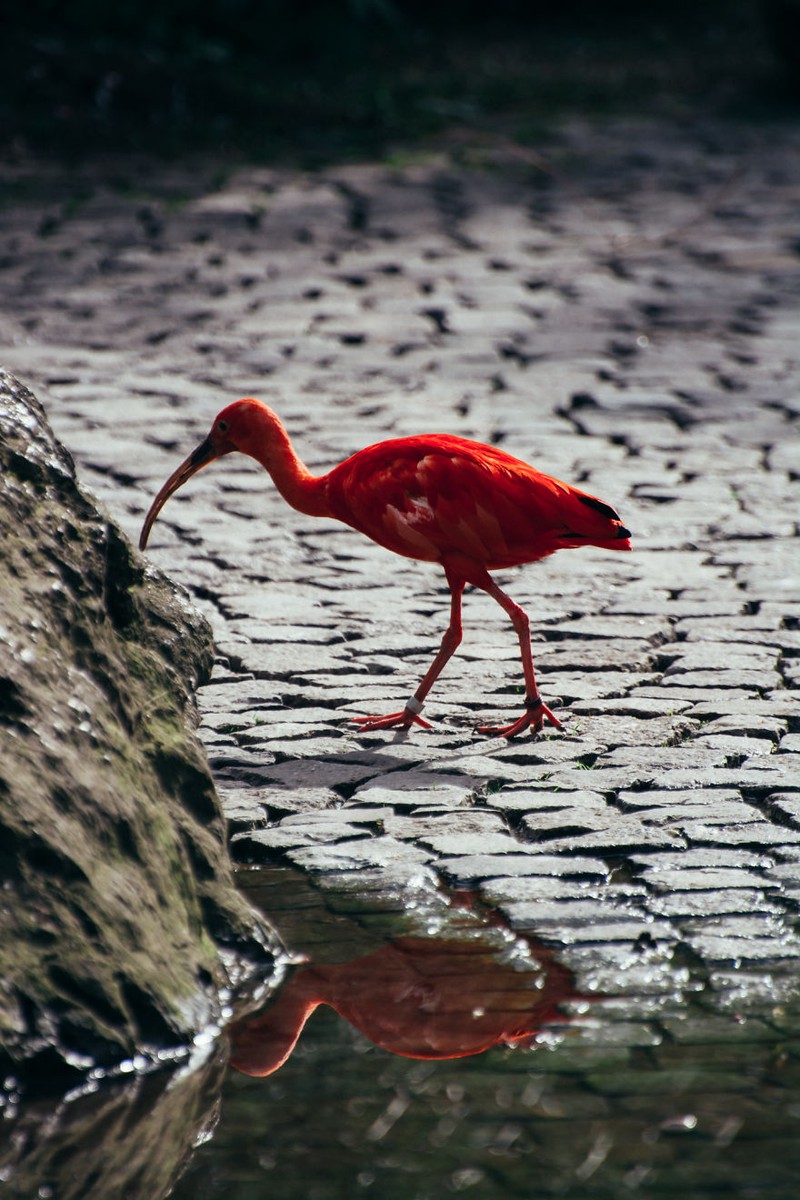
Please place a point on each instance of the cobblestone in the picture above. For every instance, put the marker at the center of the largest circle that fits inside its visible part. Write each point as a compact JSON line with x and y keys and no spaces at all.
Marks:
{"x":636,"y":341}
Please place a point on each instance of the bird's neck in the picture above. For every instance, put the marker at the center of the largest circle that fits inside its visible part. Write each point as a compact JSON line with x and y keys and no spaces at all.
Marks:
{"x":273,"y":449}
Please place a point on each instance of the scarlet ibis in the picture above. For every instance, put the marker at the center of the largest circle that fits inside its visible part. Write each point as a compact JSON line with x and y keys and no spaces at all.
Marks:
{"x":437,"y":498}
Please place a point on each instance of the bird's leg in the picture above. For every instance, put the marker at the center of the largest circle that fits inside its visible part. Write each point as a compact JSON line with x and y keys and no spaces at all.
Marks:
{"x":450,"y":643}
{"x":536,"y":711}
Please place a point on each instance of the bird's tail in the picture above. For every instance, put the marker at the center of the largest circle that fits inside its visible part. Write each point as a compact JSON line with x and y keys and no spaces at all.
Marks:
{"x":596,"y":524}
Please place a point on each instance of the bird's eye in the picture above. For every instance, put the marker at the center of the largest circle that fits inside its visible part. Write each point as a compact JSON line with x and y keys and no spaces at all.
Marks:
{"x":222,"y":426}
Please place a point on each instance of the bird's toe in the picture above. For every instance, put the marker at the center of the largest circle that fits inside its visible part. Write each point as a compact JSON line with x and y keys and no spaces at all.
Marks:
{"x":533,"y":718}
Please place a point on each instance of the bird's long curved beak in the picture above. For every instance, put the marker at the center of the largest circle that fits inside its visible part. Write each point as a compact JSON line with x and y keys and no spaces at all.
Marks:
{"x":205,"y":453}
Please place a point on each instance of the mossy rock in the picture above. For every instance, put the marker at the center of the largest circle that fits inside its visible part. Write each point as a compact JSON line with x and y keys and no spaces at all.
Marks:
{"x":119,"y":919}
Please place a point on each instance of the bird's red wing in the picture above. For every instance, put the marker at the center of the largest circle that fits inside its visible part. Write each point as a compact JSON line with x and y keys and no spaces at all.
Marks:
{"x":430,"y":497}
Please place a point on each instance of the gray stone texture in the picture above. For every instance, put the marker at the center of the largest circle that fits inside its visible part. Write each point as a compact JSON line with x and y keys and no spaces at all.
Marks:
{"x":121,"y":929}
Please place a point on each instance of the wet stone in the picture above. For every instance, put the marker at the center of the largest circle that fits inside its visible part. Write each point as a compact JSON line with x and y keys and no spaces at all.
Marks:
{"x":249,"y":847}
{"x":312,"y":773}
{"x":416,"y":787}
{"x":244,"y":814}
{"x":475,"y":868}
{"x":754,"y":833}
{"x":401,"y":880}
{"x":650,"y":971}
{"x":717,"y":1031}
{"x":675,"y":879}
{"x":464,"y":823}
{"x":678,"y":905}
{"x":555,"y":931}
{"x":606,"y":837}
{"x":231,"y":759}
{"x":739,"y":925}
{"x":586,"y":913}
{"x":534,"y":887}
{"x":359,"y":854}
{"x":471,"y":843}
{"x":722,"y":949}
{"x":279,"y":801}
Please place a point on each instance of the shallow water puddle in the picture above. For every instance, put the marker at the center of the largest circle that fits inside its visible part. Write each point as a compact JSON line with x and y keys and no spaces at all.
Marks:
{"x":417,"y":972}
{"x":446,"y":1055}
{"x":420,"y":1048}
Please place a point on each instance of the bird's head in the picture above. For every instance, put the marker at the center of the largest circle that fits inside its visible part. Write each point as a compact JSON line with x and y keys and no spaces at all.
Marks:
{"x":244,"y":425}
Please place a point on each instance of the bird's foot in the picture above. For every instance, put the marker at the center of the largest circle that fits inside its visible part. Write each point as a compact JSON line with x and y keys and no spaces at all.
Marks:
{"x":400,"y":720}
{"x":535,"y":715}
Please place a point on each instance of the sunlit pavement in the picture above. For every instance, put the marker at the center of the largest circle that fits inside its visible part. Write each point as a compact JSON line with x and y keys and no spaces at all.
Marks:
{"x":622,"y":311}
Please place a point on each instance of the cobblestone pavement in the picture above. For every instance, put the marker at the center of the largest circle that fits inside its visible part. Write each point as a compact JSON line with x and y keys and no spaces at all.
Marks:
{"x":622,"y":313}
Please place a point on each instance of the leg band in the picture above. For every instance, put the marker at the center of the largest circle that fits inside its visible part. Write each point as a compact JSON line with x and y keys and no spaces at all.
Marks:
{"x":536,"y":702}
{"x":414,"y":705}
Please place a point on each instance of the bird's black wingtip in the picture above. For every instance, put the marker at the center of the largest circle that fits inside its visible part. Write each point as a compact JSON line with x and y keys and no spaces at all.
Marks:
{"x":599,"y":506}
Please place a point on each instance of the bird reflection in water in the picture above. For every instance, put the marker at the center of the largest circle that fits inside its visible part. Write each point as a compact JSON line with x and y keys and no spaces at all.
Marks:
{"x":417,"y":997}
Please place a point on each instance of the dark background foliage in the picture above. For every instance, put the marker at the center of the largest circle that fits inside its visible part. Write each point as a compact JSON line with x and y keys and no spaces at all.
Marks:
{"x":314,"y":79}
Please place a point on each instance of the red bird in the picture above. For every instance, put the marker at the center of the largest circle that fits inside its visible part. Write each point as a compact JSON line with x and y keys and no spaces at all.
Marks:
{"x":438,"y":498}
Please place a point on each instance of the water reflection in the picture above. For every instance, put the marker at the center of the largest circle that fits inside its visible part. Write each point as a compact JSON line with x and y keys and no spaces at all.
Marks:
{"x":711,"y":1110}
{"x":419,"y":973}
{"x":127,"y":1138}
{"x":420,"y":997}
{"x":652,"y":1093}
{"x":657,"y":1091}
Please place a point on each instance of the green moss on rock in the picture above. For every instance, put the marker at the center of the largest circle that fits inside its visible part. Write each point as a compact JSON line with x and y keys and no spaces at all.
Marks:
{"x":118,"y":894}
